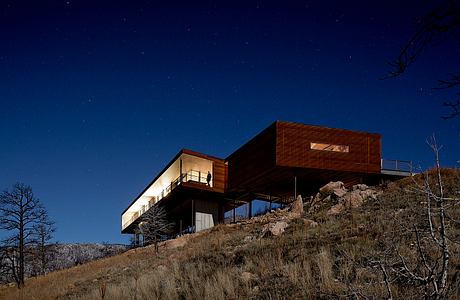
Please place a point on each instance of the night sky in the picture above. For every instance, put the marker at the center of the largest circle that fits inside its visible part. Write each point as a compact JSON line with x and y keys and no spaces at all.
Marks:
{"x":95,"y":99}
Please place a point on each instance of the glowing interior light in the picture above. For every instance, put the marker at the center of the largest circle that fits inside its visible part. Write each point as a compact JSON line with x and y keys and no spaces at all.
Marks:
{"x":330,"y":147}
{"x":194,"y":169}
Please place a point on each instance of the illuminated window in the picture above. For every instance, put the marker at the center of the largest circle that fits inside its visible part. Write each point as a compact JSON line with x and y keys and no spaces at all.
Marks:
{"x":329,"y":147}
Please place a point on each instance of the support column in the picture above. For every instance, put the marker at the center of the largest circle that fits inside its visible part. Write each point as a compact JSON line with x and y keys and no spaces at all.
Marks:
{"x":193,"y":216}
{"x":270,"y":199}
{"x":221,"y":213}
{"x":250,"y":209}
{"x":234,"y":212}
{"x":180,"y":171}
{"x":295,"y":187}
{"x":136,"y":240}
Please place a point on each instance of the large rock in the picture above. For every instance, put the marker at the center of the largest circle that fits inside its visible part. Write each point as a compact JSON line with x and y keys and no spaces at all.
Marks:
{"x":360,"y":194}
{"x":338,"y":193}
{"x":354,"y":199}
{"x":336,"y":209}
{"x":328,"y":195}
{"x":274,"y":228}
{"x":332,"y":188}
{"x":278,"y":228}
{"x":319,"y":201}
{"x":361,"y":187}
{"x":337,"y":198}
{"x":297,"y":205}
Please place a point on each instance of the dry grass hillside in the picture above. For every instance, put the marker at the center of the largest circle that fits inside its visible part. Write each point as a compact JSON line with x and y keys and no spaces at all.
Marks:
{"x":319,"y":255}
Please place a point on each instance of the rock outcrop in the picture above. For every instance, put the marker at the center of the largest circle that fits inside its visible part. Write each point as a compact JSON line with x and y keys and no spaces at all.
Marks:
{"x":337,"y":188}
{"x":297,"y":206}
{"x":274,"y":228}
{"x":336,"y":198}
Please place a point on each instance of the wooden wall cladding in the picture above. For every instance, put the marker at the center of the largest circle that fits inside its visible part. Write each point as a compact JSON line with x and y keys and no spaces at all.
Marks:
{"x":293,"y":148}
{"x":252,"y":159}
{"x":219,"y":179}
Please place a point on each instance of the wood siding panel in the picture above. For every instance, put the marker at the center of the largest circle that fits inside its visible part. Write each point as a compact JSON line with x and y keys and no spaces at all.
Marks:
{"x":293,"y":148}
{"x":252,"y":159}
{"x":218,"y":171}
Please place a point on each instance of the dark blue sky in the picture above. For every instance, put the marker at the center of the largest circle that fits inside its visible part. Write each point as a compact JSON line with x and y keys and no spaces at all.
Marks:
{"x":96,"y":98}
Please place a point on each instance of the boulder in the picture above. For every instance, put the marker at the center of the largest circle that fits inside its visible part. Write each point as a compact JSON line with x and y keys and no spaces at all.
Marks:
{"x":318,"y":201}
{"x":331,"y":187}
{"x":337,"y":198}
{"x":354,"y":199}
{"x":297,"y":205}
{"x":361,"y":187}
{"x":274,"y":228}
{"x":339,"y":193}
{"x":336,"y":209}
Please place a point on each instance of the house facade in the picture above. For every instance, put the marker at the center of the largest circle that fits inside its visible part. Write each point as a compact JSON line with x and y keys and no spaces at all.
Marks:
{"x":284,"y":160}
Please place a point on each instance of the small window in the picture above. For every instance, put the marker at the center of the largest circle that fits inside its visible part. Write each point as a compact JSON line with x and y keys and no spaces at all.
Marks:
{"x":330,"y":147}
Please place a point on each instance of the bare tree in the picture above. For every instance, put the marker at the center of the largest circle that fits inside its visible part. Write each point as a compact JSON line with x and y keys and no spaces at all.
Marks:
{"x":43,"y":231}
{"x":3,"y":266}
{"x":19,"y":214}
{"x":441,"y":21}
{"x":154,"y":226}
{"x":428,"y":269}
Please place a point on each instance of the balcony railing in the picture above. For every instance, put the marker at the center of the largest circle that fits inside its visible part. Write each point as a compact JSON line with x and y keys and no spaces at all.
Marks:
{"x":190,"y":176}
{"x":396,"y":165}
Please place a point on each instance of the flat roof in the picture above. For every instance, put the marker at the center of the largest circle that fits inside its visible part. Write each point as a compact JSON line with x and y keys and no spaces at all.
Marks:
{"x":274,"y":124}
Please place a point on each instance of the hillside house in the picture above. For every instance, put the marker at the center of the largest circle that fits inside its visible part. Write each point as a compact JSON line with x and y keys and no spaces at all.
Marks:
{"x":282,"y":161}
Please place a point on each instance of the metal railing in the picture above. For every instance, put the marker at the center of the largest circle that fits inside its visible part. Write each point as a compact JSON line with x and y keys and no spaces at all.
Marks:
{"x":130,"y":221}
{"x":190,"y":176}
{"x":196,"y":176}
{"x":396,"y":165}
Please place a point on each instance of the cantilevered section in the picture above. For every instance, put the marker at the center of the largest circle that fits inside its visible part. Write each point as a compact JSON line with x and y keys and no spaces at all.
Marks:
{"x":287,"y":156}
{"x":189,"y":169}
{"x":284,"y":160}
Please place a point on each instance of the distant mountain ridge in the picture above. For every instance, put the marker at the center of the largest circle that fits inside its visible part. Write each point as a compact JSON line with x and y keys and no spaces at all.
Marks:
{"x":68,"y":255}
{"x":63,"y":256}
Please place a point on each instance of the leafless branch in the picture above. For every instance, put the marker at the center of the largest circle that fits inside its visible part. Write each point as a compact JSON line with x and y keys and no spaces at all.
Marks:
{"x":445,"y":18}
{"x":453,"y":81}
{"x":386,"y":280}
{"x":430,"y":268}
{"x":454,"y":109}
{"x":155,"y":226}
{"x":21,"y":215}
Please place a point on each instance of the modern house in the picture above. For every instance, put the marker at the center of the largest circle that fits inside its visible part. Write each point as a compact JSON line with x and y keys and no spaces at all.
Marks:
{"x":284,"y":160}
{"x":183,"y":189}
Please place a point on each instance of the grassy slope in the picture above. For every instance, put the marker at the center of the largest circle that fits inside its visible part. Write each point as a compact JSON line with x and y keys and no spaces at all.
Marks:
{"x":336,"y":259}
